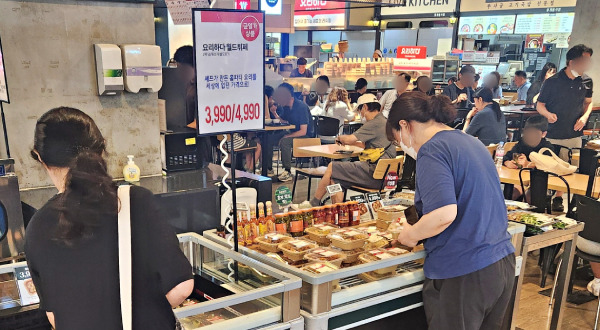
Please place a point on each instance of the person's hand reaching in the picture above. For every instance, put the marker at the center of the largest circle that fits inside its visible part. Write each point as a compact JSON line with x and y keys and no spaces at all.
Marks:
{"x":580,"y":124}
{"x":552,"y":118}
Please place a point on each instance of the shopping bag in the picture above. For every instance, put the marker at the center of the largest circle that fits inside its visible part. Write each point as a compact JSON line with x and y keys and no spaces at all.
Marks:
{"x":551,"y":163}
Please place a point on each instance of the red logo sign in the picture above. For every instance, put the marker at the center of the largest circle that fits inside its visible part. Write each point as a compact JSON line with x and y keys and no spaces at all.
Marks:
{"x":318,"y":7}
{"x":250,"y":28}
{"x":242,"y":4}
{"x":411,"y":52}
{"x":391,"y":180}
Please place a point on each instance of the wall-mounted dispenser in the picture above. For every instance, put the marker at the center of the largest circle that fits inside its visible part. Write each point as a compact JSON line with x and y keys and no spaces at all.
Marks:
{"x":109,"y":69}
{"x":142,"y":67}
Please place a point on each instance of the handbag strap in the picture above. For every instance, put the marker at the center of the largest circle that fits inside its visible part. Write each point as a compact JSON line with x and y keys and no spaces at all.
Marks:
{"x":124,"y":228}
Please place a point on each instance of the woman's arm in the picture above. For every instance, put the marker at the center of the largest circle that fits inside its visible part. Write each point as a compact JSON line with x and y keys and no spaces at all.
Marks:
{"x":179,"y":293}
{"x":431,"y":224}
{"x":50,"y":316}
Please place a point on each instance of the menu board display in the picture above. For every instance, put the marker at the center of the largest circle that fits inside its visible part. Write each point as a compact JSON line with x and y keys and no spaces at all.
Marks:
{"x":544,"y":23}
{"x":501,"y":24}
{"x":314,"y":13}
{"x":499,"y":5}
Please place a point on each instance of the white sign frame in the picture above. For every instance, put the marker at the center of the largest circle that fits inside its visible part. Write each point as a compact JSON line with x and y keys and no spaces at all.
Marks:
{"x":233,"y":102}
{"x":4,"y":97}
{"x":277,"y":10}
{"x":419,"y":10}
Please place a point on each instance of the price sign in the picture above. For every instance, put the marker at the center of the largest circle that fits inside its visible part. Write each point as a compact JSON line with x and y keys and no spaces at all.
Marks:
{"x":390,"y":180}
{"x":27,"y":290}
{"x":358,"y":198}
{"x":229,"y":51}
{"x":283,"y":196}
{"x":372,"y":197}
{"x":334,"y":189}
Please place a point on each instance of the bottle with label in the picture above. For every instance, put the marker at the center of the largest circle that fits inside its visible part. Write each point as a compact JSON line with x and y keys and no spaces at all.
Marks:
{"x":262,"y":222}
{"x":354,"y":213}
{"x":499,"y":154}
{"x":344,"y":215}
{"x":253,"y":222}
{"x":319,"y":215}
{"x":280,"y":224}
{"x":240,"y":229}
{"x":296,"y":224}
{"x":308,"y":218}
{"x":328,"y":214}
{"x":335,"y":212}
{"x":247,"y":229}
{"x":131,"y":172}
{"x":270,"y":219}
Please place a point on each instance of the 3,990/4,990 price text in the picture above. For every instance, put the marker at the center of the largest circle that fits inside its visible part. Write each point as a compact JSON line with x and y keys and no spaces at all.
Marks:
{"x":234,"y":113}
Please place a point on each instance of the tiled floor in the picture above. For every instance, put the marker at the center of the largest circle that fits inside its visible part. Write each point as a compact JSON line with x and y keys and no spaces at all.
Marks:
{"x":533,"y":307}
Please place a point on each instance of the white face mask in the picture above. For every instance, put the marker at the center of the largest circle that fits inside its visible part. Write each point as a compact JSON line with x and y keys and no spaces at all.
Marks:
{"x":410,"y":151}
{"x":575,"y":73}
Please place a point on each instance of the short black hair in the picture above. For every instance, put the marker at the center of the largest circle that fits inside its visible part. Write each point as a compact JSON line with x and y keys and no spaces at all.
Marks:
{"x":373,"y":106}
{"x":287,"y":86}
{"x":406,"y":76}
{"x":301,"y":61}
{"x":184,"y":54}
{"x":521,"y":74}
{"x":452,"y":79}
{"x":477,"y":77}
{"x":538,"y":122}
{"x":467,"y":69}
{"x":360,"y":83}
{"x":269,"y":91}
{"x":324,"y":79}
{"x":577,"y":51}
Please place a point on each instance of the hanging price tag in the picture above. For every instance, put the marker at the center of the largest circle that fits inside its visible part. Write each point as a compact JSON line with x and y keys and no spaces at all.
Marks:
{"x":334,"y":188}
{"x":283,"y":196}
{"x":391,"y":180}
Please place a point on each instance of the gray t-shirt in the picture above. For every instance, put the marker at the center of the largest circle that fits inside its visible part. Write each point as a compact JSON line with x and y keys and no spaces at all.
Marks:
{"x":372,"y":134}
{"x":486,"y":127}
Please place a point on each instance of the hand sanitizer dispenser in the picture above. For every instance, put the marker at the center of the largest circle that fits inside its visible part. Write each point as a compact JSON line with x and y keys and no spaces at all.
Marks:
{"x":142,"y":66}
{"x":109,"y":69}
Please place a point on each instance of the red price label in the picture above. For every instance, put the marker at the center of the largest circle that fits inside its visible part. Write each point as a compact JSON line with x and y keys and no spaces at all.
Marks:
{"x":391,"y":180}
{"x":234,"y":113}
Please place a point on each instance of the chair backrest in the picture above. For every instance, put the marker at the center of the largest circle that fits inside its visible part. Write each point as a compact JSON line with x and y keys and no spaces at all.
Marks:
{"x":327,"y":126}
{"x":408,"y":173}
{"x":587,"y":211}
{"x":508,"y":146}
{"x":308,"y":142}
{"x":492,"y":149}
{"x":594,"y":175}
{"x":388,"y":165}
{"x":538,"y":189}
{"x":586,"y":161}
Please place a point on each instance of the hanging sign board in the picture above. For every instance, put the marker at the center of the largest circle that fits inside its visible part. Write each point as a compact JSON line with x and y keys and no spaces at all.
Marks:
{"x":405,"y":64}
{"x":497,"y":5}
{"x":425,"y":8}
{"x":411,"y":52}
{"x":229,"y":54}
{"x":271,"y":7}
{"x":315,"y":13}
{"x":544,"y":23}
{"x":3,"y":87}
{"x":497,"y":24}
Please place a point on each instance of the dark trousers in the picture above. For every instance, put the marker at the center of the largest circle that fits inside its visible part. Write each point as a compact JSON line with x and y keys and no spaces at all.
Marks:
{"x":285,"y":147}
{"x":470,"y":302}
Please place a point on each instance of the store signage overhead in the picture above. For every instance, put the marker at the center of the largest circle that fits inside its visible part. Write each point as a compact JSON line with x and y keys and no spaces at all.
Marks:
{"x":411,"y":52}
{"x":315,"y":13}
{"x":430,"y":8}
{"x":229,"y":53}
{"x":499,"y":24}
{"x":494,"y":5}
{"x":271,"y":7}
{"x":242,"y":4}
{"x":545,"y":23}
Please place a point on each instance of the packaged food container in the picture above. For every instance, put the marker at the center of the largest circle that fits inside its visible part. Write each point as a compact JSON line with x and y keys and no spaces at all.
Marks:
{"x":323,"y":267}
{"x":381,"y":254}
{"x":295,"y":249}
{"x":348,"y":239}
{"x":269,"y":242}
{"x":351,"y":255}
{"x":378,"y":240}
{"x":390,"y":213}
{"x":319,"y":232}
{"x":326,"y":255}
{"x":394,"y":229}
{"x":372,"y":276}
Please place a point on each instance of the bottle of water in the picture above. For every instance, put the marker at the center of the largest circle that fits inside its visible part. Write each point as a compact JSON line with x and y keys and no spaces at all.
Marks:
{"x":499,"y":154}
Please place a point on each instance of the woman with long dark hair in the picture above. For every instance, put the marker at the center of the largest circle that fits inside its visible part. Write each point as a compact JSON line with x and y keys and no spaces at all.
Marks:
{"x":548,"y":71}
{"x":72,"y":241}
{"x":486,"y":121}
{"x":470,"y":265}
{"x":492,"y":81}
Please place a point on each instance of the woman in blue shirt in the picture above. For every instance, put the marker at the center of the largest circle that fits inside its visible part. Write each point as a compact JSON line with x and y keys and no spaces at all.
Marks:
{"x":486,"y":121}
{"x":470,"y":262}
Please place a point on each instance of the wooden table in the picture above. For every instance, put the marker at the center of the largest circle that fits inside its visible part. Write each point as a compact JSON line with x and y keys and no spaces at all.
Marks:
{"x":577,"y":182}
{"x":550,"y":238}
{"x":279,"y":127}
{"x":328,"y":151}
{"x":511,"y":176}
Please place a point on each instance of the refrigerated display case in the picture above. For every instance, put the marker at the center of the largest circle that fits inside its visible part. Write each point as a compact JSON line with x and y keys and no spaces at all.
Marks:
{"x":346,"y":298}
{"x":443,"y":69}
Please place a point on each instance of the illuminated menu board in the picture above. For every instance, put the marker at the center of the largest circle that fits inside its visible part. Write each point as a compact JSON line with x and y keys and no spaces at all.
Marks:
{"x":501,"y":24}
{"x":544,"y":23}
{"x":315,"y":13}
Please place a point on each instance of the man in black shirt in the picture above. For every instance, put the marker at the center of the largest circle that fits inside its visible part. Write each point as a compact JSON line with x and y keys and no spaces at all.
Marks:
{"x":461,"y":92}
{"x":296,"y":113}
{"x":301,"y":71}
{"x":565,"y":100}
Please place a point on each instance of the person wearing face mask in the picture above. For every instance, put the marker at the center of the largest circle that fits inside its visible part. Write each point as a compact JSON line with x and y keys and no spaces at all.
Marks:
{"x":470,"y":263}
{"x":486,"y":121}
{"x":370,"y":136}
{"x":401,"y":83}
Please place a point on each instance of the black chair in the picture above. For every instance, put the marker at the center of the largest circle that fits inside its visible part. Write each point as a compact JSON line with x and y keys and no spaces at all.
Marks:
{"x":407,"y":180}
{"x":593,"y":176}
{"x":539,"y":198}
{"x":327,"y":126}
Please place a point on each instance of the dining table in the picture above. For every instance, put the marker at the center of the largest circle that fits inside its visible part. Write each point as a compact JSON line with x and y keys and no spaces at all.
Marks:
{"x":331,"y":151}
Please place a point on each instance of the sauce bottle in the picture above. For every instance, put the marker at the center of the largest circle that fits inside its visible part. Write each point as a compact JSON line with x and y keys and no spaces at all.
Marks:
{"x":308,"y":218}
{"x":354,"y":213}
{"x":344,"y":215}
{"x":335,"y":212}
{"x":240,"y":229}
{"x":296,"y":224}
{"x":280,"y":225}
{"x":328,"y":214}
{"x":319,"y":215}
{"x":247,"y":229}
{"x":262,"y":222}
{"x":270,"y":219}
{"x":253,"y":223}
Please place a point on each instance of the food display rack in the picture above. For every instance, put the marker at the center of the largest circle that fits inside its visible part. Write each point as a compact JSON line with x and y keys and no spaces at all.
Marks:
{"x":263,"y":297}
{"x":358,"y":302}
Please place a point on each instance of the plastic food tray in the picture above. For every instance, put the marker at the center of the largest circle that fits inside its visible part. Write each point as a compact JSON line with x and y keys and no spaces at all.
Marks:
{"x":339,"y":241}
{"x":314,"y":255}
{"x":270,"y":247}
{"x":388,"y":253}
{"x":319,"y":237}
{"x":296,"y":255}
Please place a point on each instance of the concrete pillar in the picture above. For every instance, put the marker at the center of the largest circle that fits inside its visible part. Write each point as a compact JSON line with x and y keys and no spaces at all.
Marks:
{"x":585,"y":31}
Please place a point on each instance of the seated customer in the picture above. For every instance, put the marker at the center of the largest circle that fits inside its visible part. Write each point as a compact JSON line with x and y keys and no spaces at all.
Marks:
{"x":486,"y":121}
{"x":460,"y":91}
{"x":337,"y":106}
{"x":361,"y":88}
{"x":301,"y":71}
{"x":370,"y":136}
{"x":294,"y":112}
{"x":423,"y":84}
{"x":401,"y":83}
{"x":523,"y":85}
{"x":533,"y":139}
